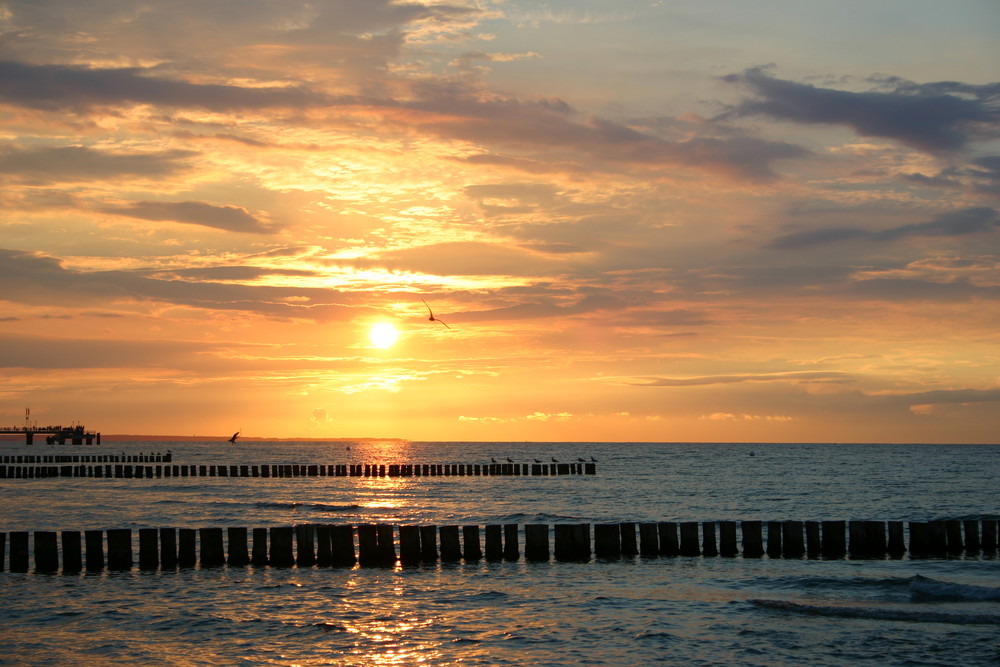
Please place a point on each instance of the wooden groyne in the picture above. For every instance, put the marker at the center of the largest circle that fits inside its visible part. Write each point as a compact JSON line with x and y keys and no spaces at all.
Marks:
{"x":327,"y":545}
{"x":126,"y":471}
{"x":21,"y":459}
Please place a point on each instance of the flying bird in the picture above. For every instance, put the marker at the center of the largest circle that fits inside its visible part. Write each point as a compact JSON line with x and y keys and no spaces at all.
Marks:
{"x":434,"y":319}
{"x":233,"y":439}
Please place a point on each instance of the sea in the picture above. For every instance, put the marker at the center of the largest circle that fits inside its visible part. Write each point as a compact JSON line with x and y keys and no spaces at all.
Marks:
{"x":629,"y":611}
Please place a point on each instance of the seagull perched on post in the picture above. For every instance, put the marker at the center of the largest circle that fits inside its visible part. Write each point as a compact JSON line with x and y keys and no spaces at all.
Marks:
{"x":432,"y":318}
{"x":510,"y":460}
{"x":554,"y":460}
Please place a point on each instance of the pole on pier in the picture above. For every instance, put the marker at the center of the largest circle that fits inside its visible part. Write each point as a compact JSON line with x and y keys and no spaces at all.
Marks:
{"x":471,"y":551}
{"x":281,"y":554}
{"x":494,"y":542}
{"x":708,"y":547}
{"x":689,"y":539}
{"x":649,"y":540}
{"x":727,"y":538}
{"x":409,"y":545}
{"x":168,"y":548}
{"x":324,"y":543}
{"x":833,"y":539}
{"x":94,"y":541}
{"x":385,"y":545}
{"x":237,"y":541}
{"x":71,"y":551}
{"x":187,"y":555}
{"x":259,"y":554}
{"x":511,"y":548}
{"x":669,"y":545}
{"x":536,"y":542}
{"x":149,"y":548}
{"x":792,"y":545}
{"x":19,"y":551}
{"x":120,"y":549}
{"x":630,"y":548}
{"x":428,"y":544}
{"x":304,"y":545}
{"x":607,"y":540}
{"x":451,"y":551}
{"x":46,"y":551}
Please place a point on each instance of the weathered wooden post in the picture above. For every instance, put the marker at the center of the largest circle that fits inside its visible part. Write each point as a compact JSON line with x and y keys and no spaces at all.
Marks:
{"x":367,"y":544}
{"x":630,"y":548}
{"x":536,"y":542}
{"x":281,"y":554}
{"x":708,"y":547}
{"x":689,"y":539}
{"x":428,"y":544}
{"x":94,"y":542}
{"x":972,"y":543}
{"x":46,"y":551}
{"x":259,"y":554}
{"x":833,"y":539}
{"x":669,"y":544}
{"x":323,"y":545}
{"x":989,"y":539}
{"x":919,"y":546}
{"x":814,"y":547}
{"x":792,"y":545}
{"x":649,"y":540}
{"x":937,"y":539}
{"x":494,"y":542}
{"x":342,"y":545}
{"x":409,"y":545}
{"x":149,"y":548}
{"x":386,"y":546}
{"x":471,"y":550}
{"x":71,"y":552}
{"x":875,"y":542}
{"x":304,"y":547}
{"x":753,"y":538}
{"x":607,"y":540}
{"x":896,"y":546}
{"x":774,"y":539}
{"x":236,"y":539}
{"x":187,"y":554}
{"x":953,"y":530}
{"x":19,"y":551}
{"x":727,"y":539}
{"x":120,"y":549}
{"x":451,"y":550}
{"x":568,"y":545}
{"x":511,"y":548}
{"x":212,"y":551}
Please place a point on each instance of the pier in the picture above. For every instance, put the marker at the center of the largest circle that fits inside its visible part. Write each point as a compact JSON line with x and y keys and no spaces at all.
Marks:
{"x":18,"y":469}
{"x":55,"y":435}
{"x":385,"y":545}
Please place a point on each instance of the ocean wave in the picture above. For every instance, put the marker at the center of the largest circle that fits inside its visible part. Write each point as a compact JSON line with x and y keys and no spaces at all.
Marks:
{"x":879,"y":613}
{"x":927,"y":587}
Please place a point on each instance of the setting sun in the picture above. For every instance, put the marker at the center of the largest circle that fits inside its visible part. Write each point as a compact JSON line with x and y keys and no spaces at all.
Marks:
{"x":383,"y":335}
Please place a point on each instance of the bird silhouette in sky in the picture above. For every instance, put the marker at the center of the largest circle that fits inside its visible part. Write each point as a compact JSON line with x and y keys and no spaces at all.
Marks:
{"x":434,"y":319}
{"x":233,"y":439}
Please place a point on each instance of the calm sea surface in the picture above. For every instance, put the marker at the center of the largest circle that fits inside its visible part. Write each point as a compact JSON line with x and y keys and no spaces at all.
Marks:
{"x":636,"y":611}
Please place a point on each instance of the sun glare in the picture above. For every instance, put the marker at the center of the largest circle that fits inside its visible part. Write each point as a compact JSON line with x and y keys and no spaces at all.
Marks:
{"x":383,"y":335}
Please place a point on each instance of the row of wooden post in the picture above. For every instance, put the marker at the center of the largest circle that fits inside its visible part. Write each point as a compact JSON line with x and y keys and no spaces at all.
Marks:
{"x":120,"y":471}
{"x":86,"y":458}
{"x":306,"y":545}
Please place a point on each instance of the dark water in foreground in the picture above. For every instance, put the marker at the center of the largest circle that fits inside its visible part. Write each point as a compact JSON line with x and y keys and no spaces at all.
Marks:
{"x":690,"y":611}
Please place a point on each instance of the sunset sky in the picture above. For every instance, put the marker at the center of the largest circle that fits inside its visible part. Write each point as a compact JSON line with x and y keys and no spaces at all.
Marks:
{"x":677,"y":220}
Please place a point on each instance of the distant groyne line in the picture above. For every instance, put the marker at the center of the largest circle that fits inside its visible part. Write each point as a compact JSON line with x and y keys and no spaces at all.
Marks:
{"x":28,"y":459}
{"x":138,"y":471}
{"x":334,"y":545}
